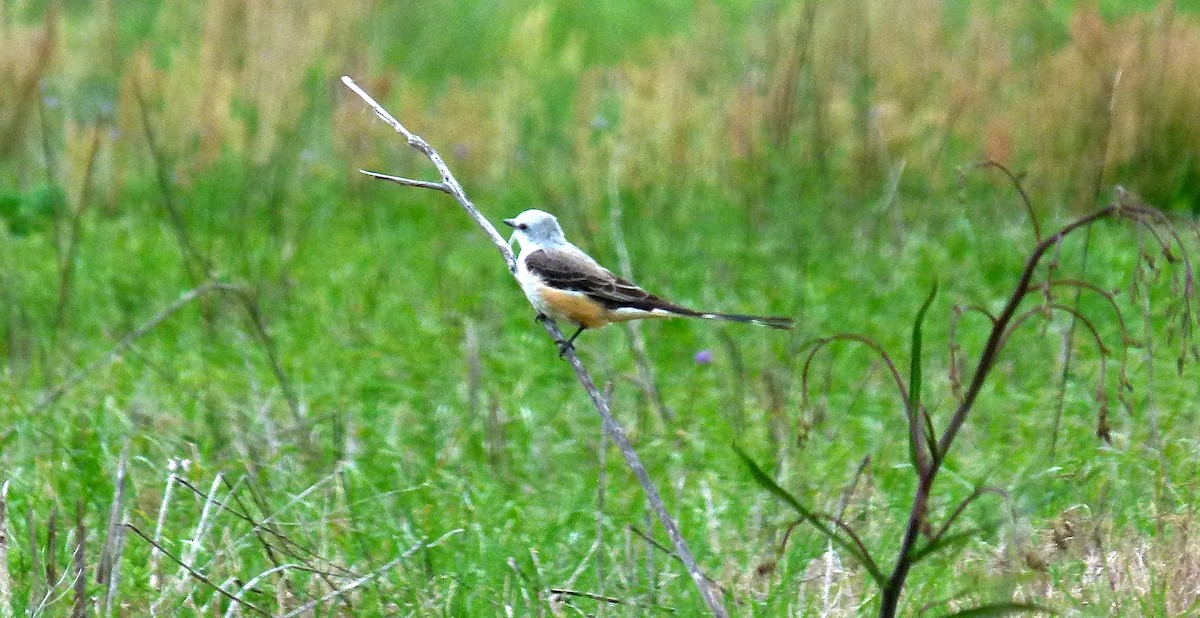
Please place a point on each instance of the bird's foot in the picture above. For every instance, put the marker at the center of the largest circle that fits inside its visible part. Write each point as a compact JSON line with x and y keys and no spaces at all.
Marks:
{"x":563,"y":346}
{"x":540,"y":317}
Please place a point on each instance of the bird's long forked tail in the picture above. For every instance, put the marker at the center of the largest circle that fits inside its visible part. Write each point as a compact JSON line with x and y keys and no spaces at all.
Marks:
{"x":773,"y":322}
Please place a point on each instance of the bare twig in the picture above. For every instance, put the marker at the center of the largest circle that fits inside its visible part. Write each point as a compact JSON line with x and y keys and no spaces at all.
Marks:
{"x":667,"y":550}
{"x":609,"y":423}
{"x":197,"y":575}
{"x":155,"y":575}
{"x":408,"y":182}
{"x":108,"y":554}
{"x":79,"y":564}
{"x":979,"y":492}
{"x":35,"y":562}
{"x":1016,"y":182}
{"x":249,"y":302}
{"x":192,"y":258}
{"x":6,"y":610}
{"x":52,"y":549}
{"x":243,"y":296}
{"x":287,"y":545}
{"x":370,"y":576}
{"x":67,"y":266}
{"x":53,"y":394}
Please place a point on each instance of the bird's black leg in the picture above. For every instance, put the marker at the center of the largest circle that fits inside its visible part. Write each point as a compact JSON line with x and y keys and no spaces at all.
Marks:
{"x":569,"y":343}
{"x":540,"y":317}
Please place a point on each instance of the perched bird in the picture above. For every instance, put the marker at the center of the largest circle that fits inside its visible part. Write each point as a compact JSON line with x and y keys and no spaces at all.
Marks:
{"x":566,"y":284}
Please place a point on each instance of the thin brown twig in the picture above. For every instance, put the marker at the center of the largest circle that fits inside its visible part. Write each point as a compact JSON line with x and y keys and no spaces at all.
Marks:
{"x":1016,"y":182}
{"x":667,"y":550}
{"x":191,"y":256}
{"x":409,"y":182}
{"x":922,"y":460}
{"x":195,"y":574}
{"x":53,"y":394}
{"x":609,"y":423}
{"x":299,"y":552}
{"x":79,"y":564}
{"x":66,"y":269}
{"x":365,"y":579}
{"x":5,"y":580}
{"x":1085,"y":285}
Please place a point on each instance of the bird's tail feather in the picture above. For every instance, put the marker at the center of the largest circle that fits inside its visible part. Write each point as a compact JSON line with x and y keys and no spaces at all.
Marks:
{"x":773,"y":322}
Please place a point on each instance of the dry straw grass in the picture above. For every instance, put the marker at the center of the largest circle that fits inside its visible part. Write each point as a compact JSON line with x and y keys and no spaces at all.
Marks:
{"x":847,"y":89}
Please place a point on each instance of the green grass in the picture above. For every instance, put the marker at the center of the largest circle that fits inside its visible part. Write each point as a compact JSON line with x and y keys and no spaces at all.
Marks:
{"x":368,"y":292}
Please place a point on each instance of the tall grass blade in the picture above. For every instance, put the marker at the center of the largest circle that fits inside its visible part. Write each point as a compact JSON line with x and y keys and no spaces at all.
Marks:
{"x":915,"y":417}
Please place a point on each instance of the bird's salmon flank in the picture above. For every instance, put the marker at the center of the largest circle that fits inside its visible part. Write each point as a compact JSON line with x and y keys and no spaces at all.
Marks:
{"x":565,"y":283}
{"x":574,"y":307}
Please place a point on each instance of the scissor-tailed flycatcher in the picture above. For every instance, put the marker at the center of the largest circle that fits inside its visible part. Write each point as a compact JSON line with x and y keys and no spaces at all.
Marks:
{"x":565,"y":283}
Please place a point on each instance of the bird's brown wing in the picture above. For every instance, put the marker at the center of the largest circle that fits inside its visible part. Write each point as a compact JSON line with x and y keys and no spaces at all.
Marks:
{"x":568,"y":270}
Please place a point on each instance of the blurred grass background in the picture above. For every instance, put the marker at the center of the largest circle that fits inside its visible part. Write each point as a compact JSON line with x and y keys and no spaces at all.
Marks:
{"x":804,"y":159}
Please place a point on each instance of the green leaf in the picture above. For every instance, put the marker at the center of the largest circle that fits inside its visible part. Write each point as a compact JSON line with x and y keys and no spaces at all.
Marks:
{"x":1002,"y":609}
{"x":849,"y":546}
{"x":914,"y":385}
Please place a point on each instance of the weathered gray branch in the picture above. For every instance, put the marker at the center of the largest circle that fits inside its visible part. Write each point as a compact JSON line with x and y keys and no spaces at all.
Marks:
{"x":450,"y":185}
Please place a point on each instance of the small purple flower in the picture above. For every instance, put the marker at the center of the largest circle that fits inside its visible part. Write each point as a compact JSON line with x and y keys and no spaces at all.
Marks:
{"x":703,"y":357}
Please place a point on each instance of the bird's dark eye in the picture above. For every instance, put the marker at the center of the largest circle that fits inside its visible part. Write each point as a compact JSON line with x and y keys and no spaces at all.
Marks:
{"x":523,"y":226}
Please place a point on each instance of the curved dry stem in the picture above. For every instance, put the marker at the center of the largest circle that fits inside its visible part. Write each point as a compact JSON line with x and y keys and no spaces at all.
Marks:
{"x":955,"y":370}
{"x":1040,"y":309}
{"x":863,"y":339}
{"x":1016,"y":183}
{"x":923,"y":463}
{"x":1109,"y":297}
{"x":862,"y":548}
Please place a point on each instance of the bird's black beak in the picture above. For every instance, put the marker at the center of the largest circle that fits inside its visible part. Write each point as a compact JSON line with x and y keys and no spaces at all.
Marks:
{"x":510,"y":223}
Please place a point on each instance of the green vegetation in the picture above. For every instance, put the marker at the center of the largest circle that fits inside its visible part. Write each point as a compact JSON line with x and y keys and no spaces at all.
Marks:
{"x":372,"y":385}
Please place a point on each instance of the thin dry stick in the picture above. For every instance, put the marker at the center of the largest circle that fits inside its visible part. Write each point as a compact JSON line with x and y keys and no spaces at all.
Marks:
{"x":195,"y":574}
{"x":191,"y":257}
{"x":115,"y":575}
{"x":107,"y":552}
{"x":184,"y":299}
{"x":450,"y":185}
{"x":371,"y":576}
{"x":5,"y":583}
{"x":79,"y":607}
{"x":1069,"y":337}
{"x":249,"y":305}
{"x":67,"y":265}
{"x":52,"y":549}
{"x":35,"y":563}
{"x":249,"y":302}
{"x":155,"y":575}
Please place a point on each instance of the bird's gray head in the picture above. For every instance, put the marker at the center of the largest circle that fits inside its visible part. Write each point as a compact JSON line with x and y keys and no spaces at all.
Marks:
{"x":536,"y":228}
